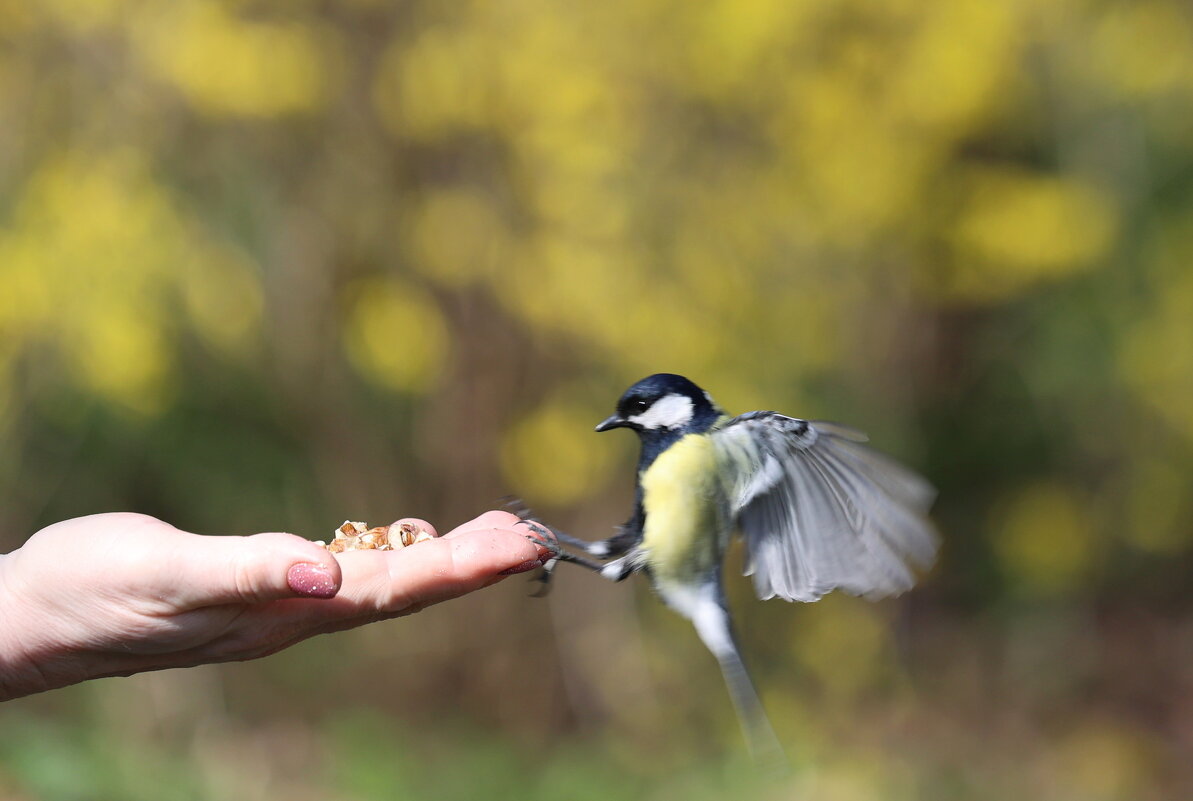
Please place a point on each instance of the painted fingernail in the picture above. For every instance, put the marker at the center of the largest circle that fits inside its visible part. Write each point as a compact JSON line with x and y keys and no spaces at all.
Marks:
{"x":529,"y":564}
{"x":313,"y":581}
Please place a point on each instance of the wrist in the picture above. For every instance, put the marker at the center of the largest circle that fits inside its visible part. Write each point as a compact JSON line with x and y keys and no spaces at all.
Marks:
{"x":19,"y":672}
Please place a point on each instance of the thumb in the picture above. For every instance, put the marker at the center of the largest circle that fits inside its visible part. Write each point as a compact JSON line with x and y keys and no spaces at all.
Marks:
{"x":255,"y":569}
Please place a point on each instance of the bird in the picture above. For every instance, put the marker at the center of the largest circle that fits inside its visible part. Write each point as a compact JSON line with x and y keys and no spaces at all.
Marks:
{"x":817,"y":510}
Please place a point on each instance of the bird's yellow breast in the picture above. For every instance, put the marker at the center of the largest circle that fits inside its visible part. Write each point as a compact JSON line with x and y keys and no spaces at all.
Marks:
{"x":683,"y":528}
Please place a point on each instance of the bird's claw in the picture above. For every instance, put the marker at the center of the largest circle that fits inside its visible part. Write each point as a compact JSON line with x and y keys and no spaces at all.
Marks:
{"x":549,"y":539}
{"x":544,"y":538}
{"x":516,"y":506}
{"x":543,"y":578}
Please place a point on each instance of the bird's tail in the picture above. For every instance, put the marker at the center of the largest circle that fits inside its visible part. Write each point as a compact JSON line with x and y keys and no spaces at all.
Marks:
{"x":712,"y":622}
{"x":760,"y":736}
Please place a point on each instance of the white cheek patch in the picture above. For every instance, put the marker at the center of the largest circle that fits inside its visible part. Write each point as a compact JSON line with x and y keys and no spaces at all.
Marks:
{"x":670,"y":411}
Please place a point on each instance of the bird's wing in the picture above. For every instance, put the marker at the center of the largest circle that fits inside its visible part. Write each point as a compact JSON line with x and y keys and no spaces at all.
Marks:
{"x":820,"y":511}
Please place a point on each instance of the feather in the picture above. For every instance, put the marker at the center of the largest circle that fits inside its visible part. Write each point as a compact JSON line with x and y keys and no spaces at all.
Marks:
{"x":703,"y":603}
{"x":819,"y":511}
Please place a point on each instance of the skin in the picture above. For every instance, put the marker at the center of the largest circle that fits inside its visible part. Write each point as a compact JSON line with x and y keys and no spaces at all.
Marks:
{"x":118,"y":594}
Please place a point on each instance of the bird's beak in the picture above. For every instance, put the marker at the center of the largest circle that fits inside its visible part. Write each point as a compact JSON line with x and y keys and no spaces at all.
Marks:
{"x":612,"y":421}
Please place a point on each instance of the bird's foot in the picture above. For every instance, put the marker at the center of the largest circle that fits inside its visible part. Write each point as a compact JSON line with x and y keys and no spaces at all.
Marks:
{"x":546,"y":537}
{"x":618,"y":569}
{"x":543,"y":578}
{"x":600,"y":549}
{"x":516,"y":506}
{"x":542,"y":536}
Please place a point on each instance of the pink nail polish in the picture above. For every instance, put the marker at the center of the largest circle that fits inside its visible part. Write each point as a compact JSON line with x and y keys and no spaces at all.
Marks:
{"x":529,"y":564}
{"x":313,"y":581}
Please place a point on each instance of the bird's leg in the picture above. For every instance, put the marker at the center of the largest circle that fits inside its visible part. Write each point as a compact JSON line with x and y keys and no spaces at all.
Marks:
{"x":601,"y":549}
{"x":544,"y":537}
{"x":597,"y":549}
{"x":543,"y":578}
{"x":619,"y":544}
{"x":618,"y":569}
{"x":550,"y":538}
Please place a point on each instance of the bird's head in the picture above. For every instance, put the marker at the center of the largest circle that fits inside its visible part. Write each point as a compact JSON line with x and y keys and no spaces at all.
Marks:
{"x":663,"y":404}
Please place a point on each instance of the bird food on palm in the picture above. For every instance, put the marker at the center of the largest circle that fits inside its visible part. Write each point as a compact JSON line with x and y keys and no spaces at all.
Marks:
{"x":354,"y":536}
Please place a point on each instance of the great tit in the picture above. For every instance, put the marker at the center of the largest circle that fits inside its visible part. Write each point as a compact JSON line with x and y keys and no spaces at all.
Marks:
{"x":817,"y":510}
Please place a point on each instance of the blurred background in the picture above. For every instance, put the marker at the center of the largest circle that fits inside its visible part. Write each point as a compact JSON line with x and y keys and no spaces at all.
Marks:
{"x":268,"y":265}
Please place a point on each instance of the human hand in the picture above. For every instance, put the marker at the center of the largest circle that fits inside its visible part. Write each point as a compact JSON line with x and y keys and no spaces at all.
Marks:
{"x":117,"y":594}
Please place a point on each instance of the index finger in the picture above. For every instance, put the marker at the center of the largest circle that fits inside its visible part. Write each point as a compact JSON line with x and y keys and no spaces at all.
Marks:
{"x":487,"y":521}
{"x":510,"y":522}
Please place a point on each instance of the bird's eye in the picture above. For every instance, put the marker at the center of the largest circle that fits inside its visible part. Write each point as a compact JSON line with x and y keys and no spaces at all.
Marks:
{"x":640,"y":405}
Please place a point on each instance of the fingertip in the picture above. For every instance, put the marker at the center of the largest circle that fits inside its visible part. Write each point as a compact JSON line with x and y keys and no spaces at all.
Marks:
{"x":533,"y":532}
{"x":498,"y":518}
{"x":513,"y":544}
{"x":494,"y":519}
{"x":417,"y":523}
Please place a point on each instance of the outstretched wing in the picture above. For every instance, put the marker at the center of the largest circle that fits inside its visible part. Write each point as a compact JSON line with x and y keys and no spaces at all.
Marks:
{"x":819,"y":511}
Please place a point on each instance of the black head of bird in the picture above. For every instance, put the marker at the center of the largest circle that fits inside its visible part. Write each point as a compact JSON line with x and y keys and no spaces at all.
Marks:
{"x":662,"y":408}
{"x":663,"y":403}
{"x":816,"y":508}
